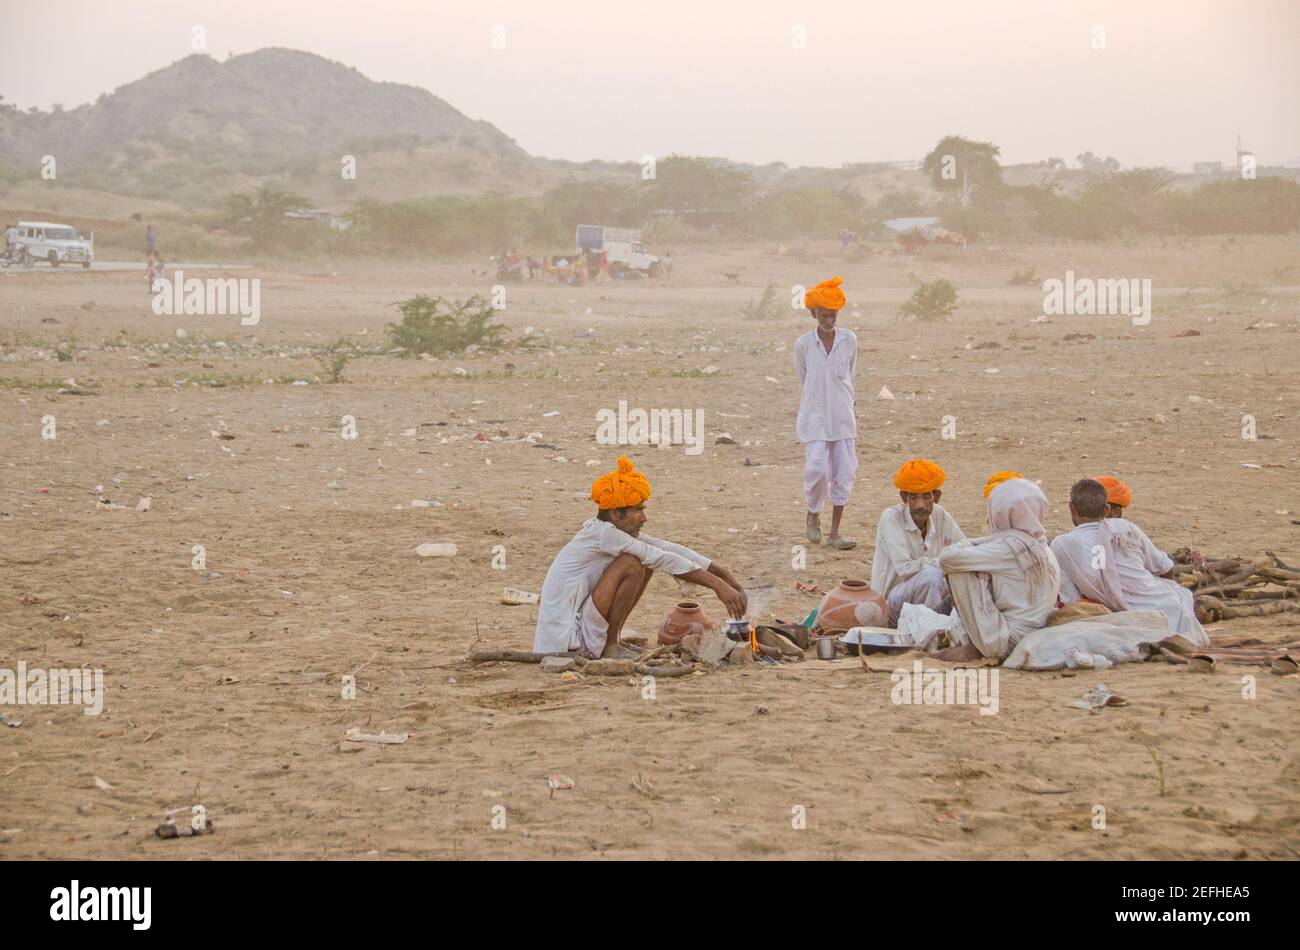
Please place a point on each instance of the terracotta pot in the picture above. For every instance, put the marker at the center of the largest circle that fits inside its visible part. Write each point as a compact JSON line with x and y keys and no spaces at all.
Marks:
{"x":685,"y":618}
{"x":851,"y":604}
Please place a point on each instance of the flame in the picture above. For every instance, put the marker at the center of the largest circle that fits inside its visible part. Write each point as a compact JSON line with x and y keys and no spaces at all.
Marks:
{"x":753,"y":640}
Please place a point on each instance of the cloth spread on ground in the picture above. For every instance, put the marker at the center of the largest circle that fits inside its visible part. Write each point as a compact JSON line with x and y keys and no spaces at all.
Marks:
{"x":1123,"y":637}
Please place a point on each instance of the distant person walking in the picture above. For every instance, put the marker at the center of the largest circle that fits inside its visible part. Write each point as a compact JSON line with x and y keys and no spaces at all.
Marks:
{"x":11,"y":239}
{"x":149,"y":241}
{"x":668,"y":265}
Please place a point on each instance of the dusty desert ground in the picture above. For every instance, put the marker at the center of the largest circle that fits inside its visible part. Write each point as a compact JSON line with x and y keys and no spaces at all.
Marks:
{"x":224,"y":684}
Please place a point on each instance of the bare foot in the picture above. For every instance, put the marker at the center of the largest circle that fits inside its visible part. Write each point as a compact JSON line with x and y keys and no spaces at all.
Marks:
{"x":619,"y":651}
{"x":958,"y":654}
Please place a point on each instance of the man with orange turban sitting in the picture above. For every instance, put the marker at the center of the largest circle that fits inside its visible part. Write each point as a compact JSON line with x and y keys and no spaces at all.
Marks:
{"x":598,"y":577}
{"x":909,"y":538}
{"x":1118,"y":495}
{"x":825,"y":360}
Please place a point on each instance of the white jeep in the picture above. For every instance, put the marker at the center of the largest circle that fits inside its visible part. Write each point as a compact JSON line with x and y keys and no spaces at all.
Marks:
{"x":56,"y":243}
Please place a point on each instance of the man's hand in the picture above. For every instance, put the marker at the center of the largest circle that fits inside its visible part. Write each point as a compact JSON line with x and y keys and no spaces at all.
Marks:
{"x":731,"y":598}
{"x":731,"y":580}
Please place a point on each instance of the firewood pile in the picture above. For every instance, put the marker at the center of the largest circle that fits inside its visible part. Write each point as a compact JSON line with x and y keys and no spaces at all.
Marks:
{"x":1228,"y":587}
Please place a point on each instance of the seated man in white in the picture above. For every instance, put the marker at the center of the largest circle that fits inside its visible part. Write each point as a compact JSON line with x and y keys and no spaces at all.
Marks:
{"x":1111,"y":561}
{"x":598,"y":577}
{"x":1004,"y":585}
{"x":909,"y":539}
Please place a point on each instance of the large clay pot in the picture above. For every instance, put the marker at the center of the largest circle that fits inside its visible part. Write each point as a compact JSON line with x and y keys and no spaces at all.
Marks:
{"x":851,"y":604}
{"x":685,"y":618}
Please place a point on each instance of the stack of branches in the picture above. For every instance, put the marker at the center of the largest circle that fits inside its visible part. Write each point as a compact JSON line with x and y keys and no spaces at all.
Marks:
{"x":657,"y":661}
{"x":1230,"y":587}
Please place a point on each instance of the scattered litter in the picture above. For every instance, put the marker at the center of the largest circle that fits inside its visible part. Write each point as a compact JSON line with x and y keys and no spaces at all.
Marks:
{"x":993,"y":369}
{"x":180,"y":333}
{"x":436,"y":550}
{"x":517,"y":598}
{"x":724,"y":439}
{"x":771,"y":379}
{"x":1250,"y":465}
{"x":383,"y":738}
{"x":557,"y":782}
{"x":884,"y":393}
{"x":15,"y":723}
{"x":808,"y":587}
{"x":103,"y":422}
{"x":553,"y":412}
{"x":1097,"y":697}
{"x":100,"y":783}
{"x":422,"y":503}
{"x":143,"y":504}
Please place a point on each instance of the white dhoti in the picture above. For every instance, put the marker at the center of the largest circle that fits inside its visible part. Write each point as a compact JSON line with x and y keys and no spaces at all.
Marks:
{"x":829,"y":470}
{"x":927,"y":587}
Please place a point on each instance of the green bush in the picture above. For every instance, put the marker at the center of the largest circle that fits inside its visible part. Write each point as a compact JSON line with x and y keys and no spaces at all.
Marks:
{"x":931,"y":300}
{"x":425,"y":329}
{"x":1027,"y":277}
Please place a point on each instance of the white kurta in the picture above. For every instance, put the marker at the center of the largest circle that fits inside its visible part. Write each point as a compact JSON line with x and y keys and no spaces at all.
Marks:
{"x":992,"y":594}
{"x":1137,"y":561}
{"x":826,"y":380}
{"x":578,"y":567}
{"x":901,"y":552}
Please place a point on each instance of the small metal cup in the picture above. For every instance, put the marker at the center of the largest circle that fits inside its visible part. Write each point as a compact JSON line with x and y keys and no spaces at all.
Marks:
{"x":826,"y":648}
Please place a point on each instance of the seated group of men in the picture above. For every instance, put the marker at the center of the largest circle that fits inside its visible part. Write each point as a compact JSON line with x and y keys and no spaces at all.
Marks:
{"x":1002,"y":586}
{"x":1006,"y":584}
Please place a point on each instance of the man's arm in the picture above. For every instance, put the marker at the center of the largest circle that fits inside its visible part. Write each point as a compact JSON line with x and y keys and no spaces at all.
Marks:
{"x":968,"y":557}
{"x":1156,"y":561}
{"x":800,"y":361}
{"x":892,"y":544}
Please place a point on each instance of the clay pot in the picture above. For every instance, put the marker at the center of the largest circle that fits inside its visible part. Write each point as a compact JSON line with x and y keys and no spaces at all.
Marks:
{"x":685,"y":618}
{"x":851,"y":604}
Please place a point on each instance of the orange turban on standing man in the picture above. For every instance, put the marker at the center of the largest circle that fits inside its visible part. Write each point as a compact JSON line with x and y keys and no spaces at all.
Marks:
{"x":827,"y":294}
{"x":919,"y":476}
{"x":997,"y":479}
{"x":1117,"y":493}
{"x":624,"y":487}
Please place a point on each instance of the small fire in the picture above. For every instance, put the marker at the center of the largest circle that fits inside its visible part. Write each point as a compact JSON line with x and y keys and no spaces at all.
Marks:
{"x":753,"y":641}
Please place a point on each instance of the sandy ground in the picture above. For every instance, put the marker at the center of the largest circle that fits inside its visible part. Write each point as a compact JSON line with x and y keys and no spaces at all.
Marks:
{"x":224,"y":684}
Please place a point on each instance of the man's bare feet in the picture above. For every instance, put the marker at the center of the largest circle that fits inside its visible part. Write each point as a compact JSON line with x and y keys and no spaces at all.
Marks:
{"x":619,"y":651}
{"x":959,"y":654}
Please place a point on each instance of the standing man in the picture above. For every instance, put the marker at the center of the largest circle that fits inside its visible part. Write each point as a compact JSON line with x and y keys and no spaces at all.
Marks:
{"x":11,"y":239}
{"x":826,"y":360}
{"x":909,"y":539}
{"x":149,"y":240}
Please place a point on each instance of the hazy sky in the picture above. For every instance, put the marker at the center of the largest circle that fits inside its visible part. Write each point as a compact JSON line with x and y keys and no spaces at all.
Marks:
{"x":619,"y":79}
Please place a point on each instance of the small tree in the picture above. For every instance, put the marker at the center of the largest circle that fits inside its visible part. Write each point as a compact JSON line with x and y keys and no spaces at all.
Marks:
{"x":424,"y":329}
{"x":931,"y":300}
{"x":768,"y":306}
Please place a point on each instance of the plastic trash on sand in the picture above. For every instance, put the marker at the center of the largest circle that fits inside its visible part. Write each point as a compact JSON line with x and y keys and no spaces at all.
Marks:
{"x":518,"y":597}
{"x":436,"y":550}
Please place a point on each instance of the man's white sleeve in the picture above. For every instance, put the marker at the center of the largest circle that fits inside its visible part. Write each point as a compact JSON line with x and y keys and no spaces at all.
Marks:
{"x":615,"y":542}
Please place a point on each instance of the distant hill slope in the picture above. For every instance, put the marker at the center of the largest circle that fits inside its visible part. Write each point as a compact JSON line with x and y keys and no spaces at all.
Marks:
{"x":201,"y":127}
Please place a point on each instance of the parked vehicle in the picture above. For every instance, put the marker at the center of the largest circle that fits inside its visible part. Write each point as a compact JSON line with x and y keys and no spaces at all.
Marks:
{"x":622,"y":248}
{"x":56,"y":243}
{"x":16,"y":256}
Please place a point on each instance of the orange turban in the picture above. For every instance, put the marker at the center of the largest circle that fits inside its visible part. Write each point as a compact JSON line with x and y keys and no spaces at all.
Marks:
{"x":919,"y":476}
{"x":1117,"y":493}
{"x":997,"y":479}
{"x":826,"y":294}
{"x":621,"y":488}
